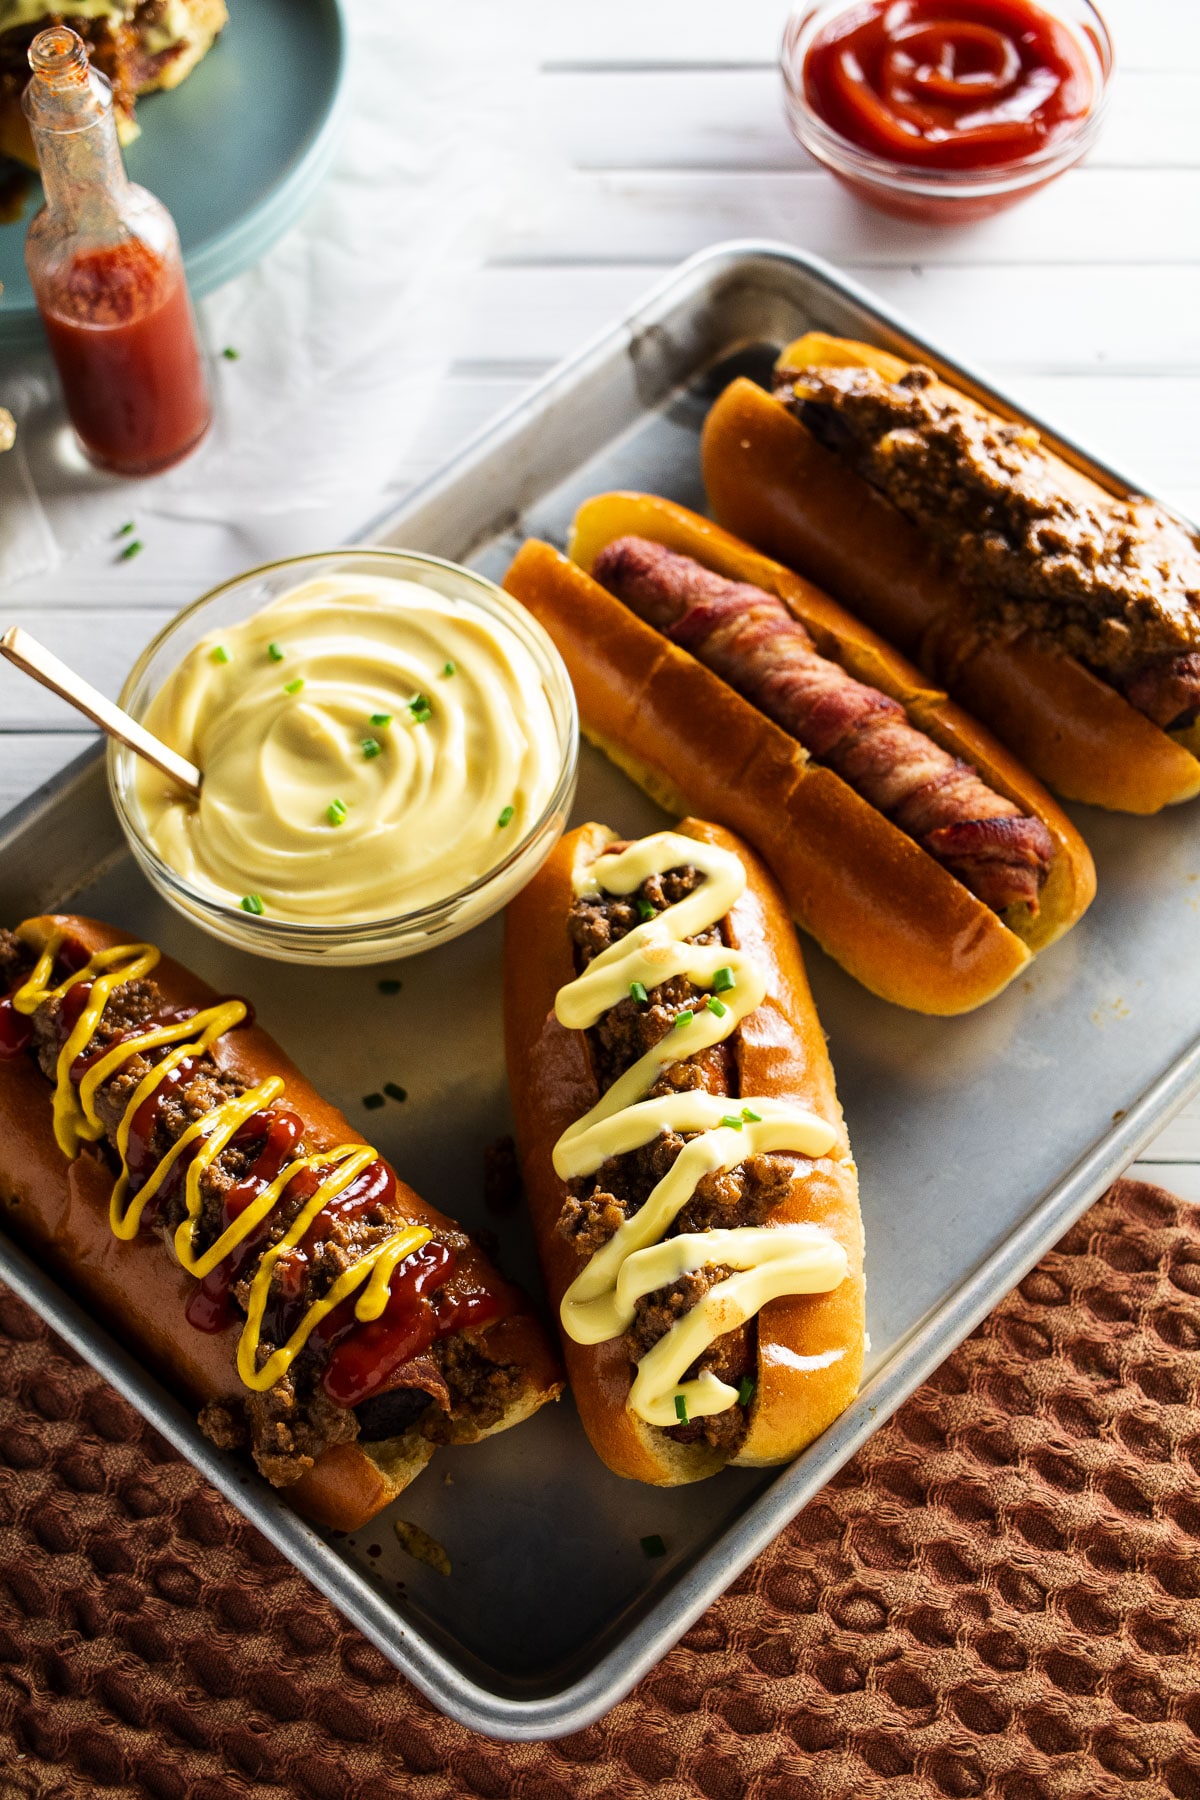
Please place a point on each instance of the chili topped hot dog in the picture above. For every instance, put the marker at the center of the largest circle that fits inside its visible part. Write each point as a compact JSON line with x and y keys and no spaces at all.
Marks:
{"x":1065,"y":616}
{"x":906,"y":841}
{"x":185,"y":1179}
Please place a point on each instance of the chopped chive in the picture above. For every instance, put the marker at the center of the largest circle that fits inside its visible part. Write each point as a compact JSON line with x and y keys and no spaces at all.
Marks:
{"x":723,"y":980}
{"x":637,"y":992}
{"x":293,"y":687}
{"x":381,"y":719}
{"x":682,"y":1019}
{"x":745,"y":1391}
{"x":131,"y":550}
{"x":126,"y":529}
{"x":449,"y":668}
{"x":372,"y":1102}
{"x":732,"y":1119}
{"x":506,"y":817}
{"x":645,"y":910}
{"x":717,"y":1006}
{"x":275,"y":653}
{"x":653,"y":1545}
{"x":681,"y":1411}
{"x":420,"y":709}
{"x":218,"y":654}
{"x":371,"y":747}
{"x":252,"y":903}
{"x":335,"y":812}
{"x":749,"y":1113}
{"x":389,"y":985}
{"x":394,"y":1091}
{"x":230,"y":354}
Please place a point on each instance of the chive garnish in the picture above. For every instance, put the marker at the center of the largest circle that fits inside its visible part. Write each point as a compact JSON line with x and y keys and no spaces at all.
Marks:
{"x":449,"y":668}
{"x":230,"y":354}
{"x":717,"y":1006}
{"x":275,"y":653}
{"x":733,"y":1120}
{"x":218,"y":653}
{"x":745,"y":1391}
{"x":749,"y":1113}
{"x":682,"y":1019}
{"x":293,"y":687}
{"x":132,"y":550}
{"x":335,"y":812}
{"x":646,"y":910}
{"x":723,"y":980}
{"x":381,"y":719}
{"x":372,"y":1102}
{"x":389,"y":985}
{"x":394,"y":1091}
{"x":252,"y":903}
{"x":681,"y":1411}
{"x":420,"y":709}
{"x":126,"y":529}
{"x":637,"y":992}
{"x":653,"y":1545}
{"x":506,"y":817}
{"x":371,"y":747}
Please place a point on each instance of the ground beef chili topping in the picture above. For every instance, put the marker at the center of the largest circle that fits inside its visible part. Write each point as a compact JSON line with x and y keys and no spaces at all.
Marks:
{"x":411,"y":1369}
{"x":597,"y":1205}
{"x":1113,"y":582}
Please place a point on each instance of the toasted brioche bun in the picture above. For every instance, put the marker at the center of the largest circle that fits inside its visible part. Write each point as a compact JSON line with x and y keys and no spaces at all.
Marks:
{"x":780,"y":1052}
{"x":59,"y":1210}
{"x":769,"y":479}
{"x":883,"y":907}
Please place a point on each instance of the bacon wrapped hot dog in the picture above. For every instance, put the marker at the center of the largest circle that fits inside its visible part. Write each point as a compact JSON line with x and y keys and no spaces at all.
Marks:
{"x":183,"y":1178}
{"x":906,"y":841}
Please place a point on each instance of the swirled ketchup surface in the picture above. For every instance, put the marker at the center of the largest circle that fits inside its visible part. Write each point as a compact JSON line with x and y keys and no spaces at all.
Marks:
{"x":950,"y":84}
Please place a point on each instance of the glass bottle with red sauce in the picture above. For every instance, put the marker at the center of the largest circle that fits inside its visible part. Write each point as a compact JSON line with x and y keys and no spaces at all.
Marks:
{"x":104,"y":261}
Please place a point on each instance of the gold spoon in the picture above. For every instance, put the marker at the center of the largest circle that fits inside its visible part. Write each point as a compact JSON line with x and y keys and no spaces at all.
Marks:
{"x":34,"y":659}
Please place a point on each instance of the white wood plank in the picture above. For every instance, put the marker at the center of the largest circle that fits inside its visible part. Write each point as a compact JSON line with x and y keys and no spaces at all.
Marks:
{"x":1178,"y":1178}
{"x":1149,"y":34}
{"x":1099,"y":216}
{"x":734,"y":119}
{"x":1180,"y":1142}
{"x":29,"y":758}
{"x":1116,"y":320}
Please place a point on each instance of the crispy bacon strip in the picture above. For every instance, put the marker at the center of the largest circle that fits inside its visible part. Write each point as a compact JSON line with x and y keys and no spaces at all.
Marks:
{"x":751,"y":640}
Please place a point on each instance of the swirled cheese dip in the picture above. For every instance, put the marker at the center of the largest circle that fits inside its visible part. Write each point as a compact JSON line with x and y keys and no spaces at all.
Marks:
{"x":368,"y":747}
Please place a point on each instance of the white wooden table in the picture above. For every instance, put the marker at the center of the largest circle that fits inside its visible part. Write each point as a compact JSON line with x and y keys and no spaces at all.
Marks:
{"x":665,"y":116}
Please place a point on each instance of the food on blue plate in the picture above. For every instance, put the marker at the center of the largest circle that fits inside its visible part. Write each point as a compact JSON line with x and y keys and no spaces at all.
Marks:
{"x":141,"y":45}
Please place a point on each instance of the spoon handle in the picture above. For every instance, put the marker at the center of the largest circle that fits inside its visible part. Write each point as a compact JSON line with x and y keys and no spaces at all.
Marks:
{"x":34,"y":659}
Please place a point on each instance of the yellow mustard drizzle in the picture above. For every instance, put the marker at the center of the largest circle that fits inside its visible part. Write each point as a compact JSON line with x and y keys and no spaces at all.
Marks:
{"x":640,"y":1258}
{"x":76,"y":1121}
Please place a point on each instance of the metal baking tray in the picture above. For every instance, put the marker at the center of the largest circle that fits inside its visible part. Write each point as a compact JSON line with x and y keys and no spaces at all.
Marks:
{"x":979,"y":1139}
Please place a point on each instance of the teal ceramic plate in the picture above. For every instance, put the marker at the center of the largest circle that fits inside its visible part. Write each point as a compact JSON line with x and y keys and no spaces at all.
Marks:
{"x":235,"y":153}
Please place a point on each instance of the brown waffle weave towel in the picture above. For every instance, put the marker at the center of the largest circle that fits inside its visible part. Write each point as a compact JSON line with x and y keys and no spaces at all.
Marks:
{"x":999,"y":1596}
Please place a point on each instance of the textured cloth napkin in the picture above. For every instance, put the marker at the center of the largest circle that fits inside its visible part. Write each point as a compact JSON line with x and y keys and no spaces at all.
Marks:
{"x":999,"y":1596}
{"x":345,"y":328}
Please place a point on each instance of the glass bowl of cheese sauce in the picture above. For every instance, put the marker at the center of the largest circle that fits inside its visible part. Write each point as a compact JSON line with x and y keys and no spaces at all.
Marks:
{"x":388,"y":744}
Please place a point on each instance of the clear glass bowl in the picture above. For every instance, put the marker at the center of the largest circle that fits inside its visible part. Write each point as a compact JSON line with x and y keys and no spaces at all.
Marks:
{"x":373,"y":940}
{"x":939,"y":196}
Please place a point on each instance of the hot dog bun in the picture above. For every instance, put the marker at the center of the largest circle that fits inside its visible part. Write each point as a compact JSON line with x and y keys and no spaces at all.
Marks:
{"x":769,"y":479}
{"x":891,"y":915}
{"x":780,"y":1051}
{"x":60,"y":1210}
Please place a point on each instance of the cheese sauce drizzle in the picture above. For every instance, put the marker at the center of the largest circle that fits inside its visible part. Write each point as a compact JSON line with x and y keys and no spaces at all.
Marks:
{"x":639,"y":1258}
{"x":76,"y":1122}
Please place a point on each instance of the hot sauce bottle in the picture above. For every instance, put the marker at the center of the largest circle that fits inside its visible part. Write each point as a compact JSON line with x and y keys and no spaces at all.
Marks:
{"x":104,"y":261}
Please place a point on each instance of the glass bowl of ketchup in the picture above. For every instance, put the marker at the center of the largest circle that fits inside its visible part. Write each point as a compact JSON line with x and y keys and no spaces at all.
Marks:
{"x":944,"y":111}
